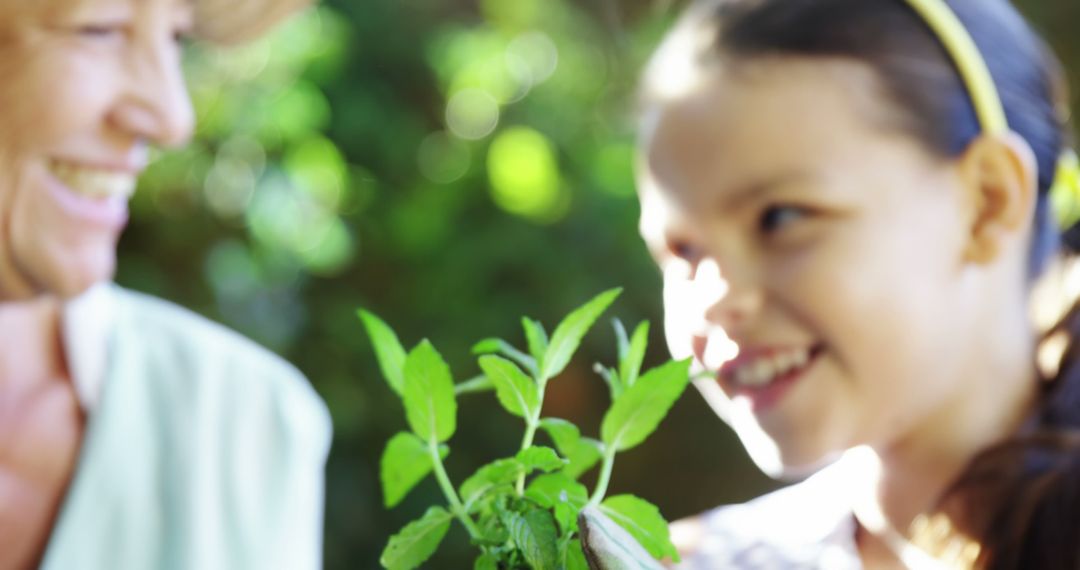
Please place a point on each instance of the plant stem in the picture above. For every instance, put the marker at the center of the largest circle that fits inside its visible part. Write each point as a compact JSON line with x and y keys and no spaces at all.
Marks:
{"x":530,"y":433}
{"x":605,"y":477}
{"x":531,"y":423}
{"x":451,"y":495}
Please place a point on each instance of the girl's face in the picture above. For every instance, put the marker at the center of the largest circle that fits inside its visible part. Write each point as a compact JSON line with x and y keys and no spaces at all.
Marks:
{"x":88,"y":86}
{"x":812,"y":257}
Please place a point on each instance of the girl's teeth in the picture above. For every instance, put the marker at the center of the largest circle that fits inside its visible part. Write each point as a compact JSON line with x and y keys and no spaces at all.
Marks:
{"x":762,"y":377}
{"x":93,"y":182}
{"x":764,"y":370}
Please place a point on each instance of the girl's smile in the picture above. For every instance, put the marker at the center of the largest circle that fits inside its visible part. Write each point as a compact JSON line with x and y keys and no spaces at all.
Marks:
{"x":762,"y":376}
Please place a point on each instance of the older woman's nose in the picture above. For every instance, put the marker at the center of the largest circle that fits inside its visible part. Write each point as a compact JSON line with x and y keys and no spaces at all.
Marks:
{"x":156,"y":105}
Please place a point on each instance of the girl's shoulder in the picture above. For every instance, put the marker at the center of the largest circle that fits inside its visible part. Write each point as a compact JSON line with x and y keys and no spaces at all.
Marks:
{"x":802,"y":526}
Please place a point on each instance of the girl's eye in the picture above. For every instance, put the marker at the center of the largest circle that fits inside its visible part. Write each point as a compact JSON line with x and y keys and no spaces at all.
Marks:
{"x":183,"y":38}
{"x":184,"y":31}
{"x":685,"y":251}
{"x":776,"y":218}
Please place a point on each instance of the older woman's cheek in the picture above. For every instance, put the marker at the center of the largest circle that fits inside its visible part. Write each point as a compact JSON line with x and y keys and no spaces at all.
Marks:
{"x":13,"y":285}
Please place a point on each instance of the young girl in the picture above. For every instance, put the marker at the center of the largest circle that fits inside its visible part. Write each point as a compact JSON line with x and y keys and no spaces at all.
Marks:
{"x":850,"y":201}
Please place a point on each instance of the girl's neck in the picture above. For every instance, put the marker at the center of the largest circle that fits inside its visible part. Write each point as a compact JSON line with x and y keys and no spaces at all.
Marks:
{"x":907,"y":478}
{"x":31,"y":347}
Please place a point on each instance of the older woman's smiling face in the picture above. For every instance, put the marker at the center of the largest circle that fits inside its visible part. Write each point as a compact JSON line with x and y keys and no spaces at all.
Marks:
{"x":88,"y":86}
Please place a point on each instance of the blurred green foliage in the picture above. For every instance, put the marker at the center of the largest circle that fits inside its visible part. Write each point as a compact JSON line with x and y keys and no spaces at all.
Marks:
{"x":450,"y":164}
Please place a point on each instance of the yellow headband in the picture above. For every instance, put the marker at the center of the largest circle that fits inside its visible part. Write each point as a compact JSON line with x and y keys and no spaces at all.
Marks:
{"x":1065,"y":193}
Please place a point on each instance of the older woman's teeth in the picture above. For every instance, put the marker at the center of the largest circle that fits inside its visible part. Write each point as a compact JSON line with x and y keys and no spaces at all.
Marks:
{"x":94,"y":182}
{"x":764,"y":370}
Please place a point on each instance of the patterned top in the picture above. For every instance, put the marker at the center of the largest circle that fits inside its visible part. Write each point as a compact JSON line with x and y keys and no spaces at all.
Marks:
{"x":803,"y":527}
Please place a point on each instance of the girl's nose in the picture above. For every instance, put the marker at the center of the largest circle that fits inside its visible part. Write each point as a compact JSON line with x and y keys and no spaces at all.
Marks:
{"x":731,"y":300}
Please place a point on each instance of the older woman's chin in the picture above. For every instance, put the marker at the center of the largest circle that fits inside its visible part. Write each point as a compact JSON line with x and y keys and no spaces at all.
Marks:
{"x":78,"y":276}
{"x":61,"y":276}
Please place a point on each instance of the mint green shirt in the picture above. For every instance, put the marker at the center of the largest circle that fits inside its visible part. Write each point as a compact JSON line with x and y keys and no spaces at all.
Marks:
{"x":202,"y":450}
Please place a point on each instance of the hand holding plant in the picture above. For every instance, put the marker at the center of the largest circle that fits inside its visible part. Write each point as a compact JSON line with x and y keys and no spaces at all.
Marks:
{"x":523,"y":511}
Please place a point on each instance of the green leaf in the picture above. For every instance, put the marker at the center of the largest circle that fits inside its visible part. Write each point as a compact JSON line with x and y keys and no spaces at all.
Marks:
{"x":622,"y":341}
{"x":515,"y":390}
{"x":405,"y":462}
{"x":430,"y":406}
{"x":388,"y":350}
{"x":567,"y":336}
{"x":536,"y":337}
{"x":565,"y":434}
{"x":540,"y":458}
{"x":535,"y":535}
{"x":630,"y":363}
{"x":611,"y":378}
{"x":559,"y":492}
{"x":609,"y":545}
{"x":500,"y":346}
{"x":575,"y":556}
{"x":635,"y":415}
{"x":492,"y":531}
{"x":553,"y":488}
{"x":583,"y":457}
{"x":417,"y":541}
{"x":486,"y":562}
{"x":580,"y":453}
{"x":497,"y":473}
{"x":478,"y":384}
{"x":643,"y":521}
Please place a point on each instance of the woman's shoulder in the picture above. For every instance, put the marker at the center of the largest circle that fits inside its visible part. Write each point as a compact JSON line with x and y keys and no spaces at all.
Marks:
{"x":170,"y":331}
{"x":800,"y":526}
{"x":199,"y":361}
{"x":176,"y":328}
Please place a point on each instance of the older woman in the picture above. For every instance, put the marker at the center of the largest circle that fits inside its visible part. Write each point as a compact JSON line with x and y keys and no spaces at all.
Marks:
{"x":133,"y":434}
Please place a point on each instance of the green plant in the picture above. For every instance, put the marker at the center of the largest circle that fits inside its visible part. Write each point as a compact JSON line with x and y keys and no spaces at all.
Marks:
{"x":522,"y":511}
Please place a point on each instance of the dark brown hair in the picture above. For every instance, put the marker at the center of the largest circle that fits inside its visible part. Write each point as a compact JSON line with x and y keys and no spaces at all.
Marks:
{"x":1021,"y":498}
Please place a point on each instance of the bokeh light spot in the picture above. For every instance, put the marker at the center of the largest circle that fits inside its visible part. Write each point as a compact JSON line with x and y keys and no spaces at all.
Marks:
{"x":472,"y":114}
{"x":229,"y":187}
{"x":443,"y":159}
{"x":333,"y":250}
{"x":524,"y":175}
{"x":537,"y":52}
{"x":299,"y":109}
{"x":285,"y":217}
{"x":316,"y":165}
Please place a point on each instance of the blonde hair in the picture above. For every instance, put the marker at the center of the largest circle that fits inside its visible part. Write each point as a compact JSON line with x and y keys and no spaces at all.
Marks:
{"x":231,"y":22}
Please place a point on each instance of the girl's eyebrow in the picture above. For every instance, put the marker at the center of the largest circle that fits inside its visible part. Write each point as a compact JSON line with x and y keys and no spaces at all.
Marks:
{"x":756,"y":190}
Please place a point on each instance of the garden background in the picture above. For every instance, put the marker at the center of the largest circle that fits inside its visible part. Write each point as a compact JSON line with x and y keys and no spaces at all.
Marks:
{"x":450,"y":165}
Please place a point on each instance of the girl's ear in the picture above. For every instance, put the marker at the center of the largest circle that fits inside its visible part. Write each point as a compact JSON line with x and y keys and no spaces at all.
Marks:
{"x":1000,"y":178}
